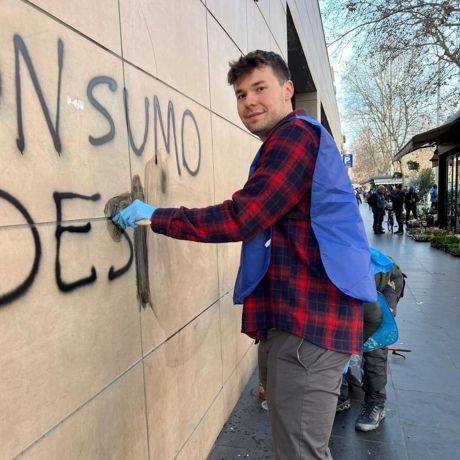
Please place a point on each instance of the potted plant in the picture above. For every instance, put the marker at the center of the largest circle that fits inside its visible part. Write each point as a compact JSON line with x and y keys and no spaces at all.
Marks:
{"x":418,"y":234}
{"x":454,"y":249}
{"x":413,"y":165}
{"x":437,"y":241}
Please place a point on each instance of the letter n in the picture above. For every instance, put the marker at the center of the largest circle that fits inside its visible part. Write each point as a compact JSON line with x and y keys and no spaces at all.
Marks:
{"x":20,"y":48}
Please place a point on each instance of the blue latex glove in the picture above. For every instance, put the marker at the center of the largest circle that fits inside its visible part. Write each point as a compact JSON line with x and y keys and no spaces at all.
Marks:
{"x":137,"y":210}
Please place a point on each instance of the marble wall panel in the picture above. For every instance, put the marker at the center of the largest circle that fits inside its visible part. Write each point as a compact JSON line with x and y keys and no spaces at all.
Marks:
{"x":203,"y":438}
{"x":80,"y":152}
{"x":235,"y":384}
{"x":221,"y":51}
{"x":183,"y":377}
{"x":61,"y":342}
{"x":233,"y":154}
{"x":232,"y":17}
{"x":264,"y":7}
{"x":234,"y":344}
{"x":97,"y":20}
{"x":182,"y":274}
{"x":167,"y":38}
{"x":111,"y":426}
{"x":259,"y":34}
{"x":278,"y":26}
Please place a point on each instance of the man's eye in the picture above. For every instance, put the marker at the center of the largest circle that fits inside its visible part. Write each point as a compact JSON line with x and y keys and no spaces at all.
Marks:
{"x":260,"y":89}
{"x":240,"y":97}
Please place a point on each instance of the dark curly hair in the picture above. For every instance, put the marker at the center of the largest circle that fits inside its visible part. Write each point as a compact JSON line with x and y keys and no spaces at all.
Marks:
{"x":246,"y":64}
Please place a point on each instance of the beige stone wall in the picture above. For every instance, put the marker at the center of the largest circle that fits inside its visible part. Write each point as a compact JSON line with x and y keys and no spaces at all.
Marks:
{"x":85,"y":371}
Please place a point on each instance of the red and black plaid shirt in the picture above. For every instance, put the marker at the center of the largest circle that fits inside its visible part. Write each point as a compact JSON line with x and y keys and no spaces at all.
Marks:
{"x":295,"y":295}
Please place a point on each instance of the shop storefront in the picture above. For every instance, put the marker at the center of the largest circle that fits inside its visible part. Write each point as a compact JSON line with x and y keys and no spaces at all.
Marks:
{"x":446,"y":139}
{"x":451,"y":192}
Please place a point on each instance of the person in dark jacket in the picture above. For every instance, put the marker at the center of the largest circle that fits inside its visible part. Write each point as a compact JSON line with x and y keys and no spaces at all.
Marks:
{"x":377,"y":201}
{"x":410,"y":202}
{"x":397,"y":198}
{"x":434,"y":197}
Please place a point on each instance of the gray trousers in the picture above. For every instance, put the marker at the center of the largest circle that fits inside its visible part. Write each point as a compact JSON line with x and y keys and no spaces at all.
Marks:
{"x":302,"y":383}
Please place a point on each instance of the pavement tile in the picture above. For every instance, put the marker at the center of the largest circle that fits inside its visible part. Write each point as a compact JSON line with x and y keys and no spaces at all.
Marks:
{"x":431,"y":444}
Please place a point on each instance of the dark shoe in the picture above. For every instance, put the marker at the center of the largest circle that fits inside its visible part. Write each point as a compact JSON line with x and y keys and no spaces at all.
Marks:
{"x":400,"y":231}
{"x":343,"y":404}
{"x":371,"y":415}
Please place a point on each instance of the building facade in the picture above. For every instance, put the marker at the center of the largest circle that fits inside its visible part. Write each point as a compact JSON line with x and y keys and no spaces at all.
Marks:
{"x":103,"y":354}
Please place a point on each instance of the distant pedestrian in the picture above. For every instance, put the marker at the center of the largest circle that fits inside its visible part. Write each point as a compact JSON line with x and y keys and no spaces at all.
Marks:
{"x":434,"y":197}
{"x":410,"y":203}
{"x":377,"y":202}
{"x":397,"y":198}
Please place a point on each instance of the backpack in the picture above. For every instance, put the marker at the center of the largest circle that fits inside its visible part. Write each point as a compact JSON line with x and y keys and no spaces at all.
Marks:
{"x":390,"y":283}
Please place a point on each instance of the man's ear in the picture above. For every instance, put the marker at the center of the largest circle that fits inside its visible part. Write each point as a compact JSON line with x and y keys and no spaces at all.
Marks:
{"x":289,"y":90}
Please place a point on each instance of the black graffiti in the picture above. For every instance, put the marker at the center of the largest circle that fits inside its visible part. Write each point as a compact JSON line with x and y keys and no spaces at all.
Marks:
{"x":167,"y":127}
{"x":20,"y":290}
{"x":20,"y":48}
{"x":171,"y":122}
{"x":113,"y":273}
{"x":58,"y":197}
{"x":137,"y":150}
{"x":112,"y":84}
{"x":27,"y":283}
{"x":192,"y":172}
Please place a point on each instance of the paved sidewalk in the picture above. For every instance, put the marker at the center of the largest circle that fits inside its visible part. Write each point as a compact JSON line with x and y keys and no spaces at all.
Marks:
{"x":423,"y":406}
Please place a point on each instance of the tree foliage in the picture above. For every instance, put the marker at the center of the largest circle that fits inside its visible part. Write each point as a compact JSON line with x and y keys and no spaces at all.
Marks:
{"x":384,"y":107}
{"x":423,"y":181}
{"x":402,"y":75}
{"x":428,"y":30}
{"x":395,"y":26}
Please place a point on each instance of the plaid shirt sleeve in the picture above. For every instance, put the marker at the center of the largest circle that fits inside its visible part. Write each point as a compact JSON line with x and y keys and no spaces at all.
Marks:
{"x":279,"y":182}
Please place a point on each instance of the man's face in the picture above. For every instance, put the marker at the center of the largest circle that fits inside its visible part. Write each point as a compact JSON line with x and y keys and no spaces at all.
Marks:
{"x":262,"y":101}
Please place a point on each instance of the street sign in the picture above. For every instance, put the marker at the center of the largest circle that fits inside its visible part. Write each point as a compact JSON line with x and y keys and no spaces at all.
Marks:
{"x":348,"y":160}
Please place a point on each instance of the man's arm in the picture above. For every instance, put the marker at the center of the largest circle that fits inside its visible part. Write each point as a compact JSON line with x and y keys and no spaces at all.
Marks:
{"x":280,"y":181}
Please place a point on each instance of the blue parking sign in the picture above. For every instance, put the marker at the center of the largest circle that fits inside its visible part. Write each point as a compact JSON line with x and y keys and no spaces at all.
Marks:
{"x":348,"y":160}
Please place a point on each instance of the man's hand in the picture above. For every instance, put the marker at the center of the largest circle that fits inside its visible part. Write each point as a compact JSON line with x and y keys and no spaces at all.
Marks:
{"x":137,"y":210}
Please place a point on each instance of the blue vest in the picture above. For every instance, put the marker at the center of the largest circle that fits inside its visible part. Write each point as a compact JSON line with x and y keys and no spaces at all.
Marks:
{"x":336,"y":223}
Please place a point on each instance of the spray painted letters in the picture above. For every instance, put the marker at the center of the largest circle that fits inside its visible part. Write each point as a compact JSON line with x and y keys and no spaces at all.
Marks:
{"x":164,"y":132}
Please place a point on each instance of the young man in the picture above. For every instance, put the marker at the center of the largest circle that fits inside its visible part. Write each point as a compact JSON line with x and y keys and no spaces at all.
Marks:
{"x":307,"y":326}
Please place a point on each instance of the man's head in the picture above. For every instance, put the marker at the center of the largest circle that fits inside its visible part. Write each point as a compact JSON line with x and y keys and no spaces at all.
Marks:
{"x":381,"y":189}
{"x":263,"y":89}
{"x":398,"y":187}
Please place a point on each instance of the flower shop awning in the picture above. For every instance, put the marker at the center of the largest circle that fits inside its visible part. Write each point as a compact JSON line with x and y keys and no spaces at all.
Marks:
{"x":446,"y":133}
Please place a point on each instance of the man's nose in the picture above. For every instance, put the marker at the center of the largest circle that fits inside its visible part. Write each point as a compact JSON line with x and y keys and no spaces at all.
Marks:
{"x":250,"y":99}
